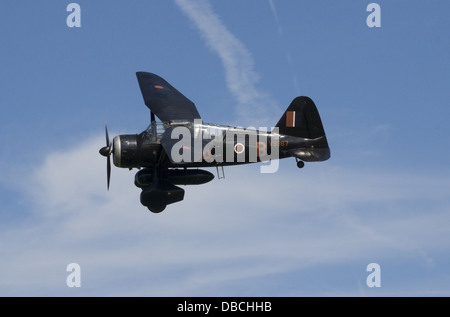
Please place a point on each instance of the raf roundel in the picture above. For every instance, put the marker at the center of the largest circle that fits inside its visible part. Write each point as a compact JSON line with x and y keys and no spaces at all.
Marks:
{"x":239,"y":148}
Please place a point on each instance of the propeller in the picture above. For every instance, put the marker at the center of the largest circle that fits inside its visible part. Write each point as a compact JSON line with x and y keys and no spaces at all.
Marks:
{"x":106,"y":152}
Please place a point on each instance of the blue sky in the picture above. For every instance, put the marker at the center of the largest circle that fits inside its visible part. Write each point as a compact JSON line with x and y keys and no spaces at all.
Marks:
{"x":383,"y":197}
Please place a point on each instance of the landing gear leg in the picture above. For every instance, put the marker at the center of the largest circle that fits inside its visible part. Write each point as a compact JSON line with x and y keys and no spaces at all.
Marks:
{"x":300,"y":164}
{"x":150,"y":194}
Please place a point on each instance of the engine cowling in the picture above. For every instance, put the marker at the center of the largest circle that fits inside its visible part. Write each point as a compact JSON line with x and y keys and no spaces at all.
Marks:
{"x":125,"y":152}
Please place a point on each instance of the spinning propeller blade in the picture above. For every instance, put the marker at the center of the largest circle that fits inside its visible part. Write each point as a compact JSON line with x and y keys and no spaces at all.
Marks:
{"x":106,"y":152}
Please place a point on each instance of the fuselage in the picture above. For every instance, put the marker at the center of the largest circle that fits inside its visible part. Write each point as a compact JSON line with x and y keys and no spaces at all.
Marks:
{"x":187,"y":144}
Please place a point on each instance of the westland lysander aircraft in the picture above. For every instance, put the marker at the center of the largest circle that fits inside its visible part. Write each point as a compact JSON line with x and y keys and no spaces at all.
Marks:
{"x":170,"y":152}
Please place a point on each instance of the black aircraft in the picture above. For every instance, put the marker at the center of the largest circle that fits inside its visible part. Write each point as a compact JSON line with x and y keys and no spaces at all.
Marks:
{"x":170,"y":152}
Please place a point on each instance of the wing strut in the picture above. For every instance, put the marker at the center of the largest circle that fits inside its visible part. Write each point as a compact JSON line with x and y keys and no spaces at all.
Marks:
{"x":152,"y":117}
{"x":220,"y":173}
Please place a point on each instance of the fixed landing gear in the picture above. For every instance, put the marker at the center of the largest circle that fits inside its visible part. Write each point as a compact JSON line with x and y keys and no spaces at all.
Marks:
{"x":300,"y":164}
{"x":157,"y":190}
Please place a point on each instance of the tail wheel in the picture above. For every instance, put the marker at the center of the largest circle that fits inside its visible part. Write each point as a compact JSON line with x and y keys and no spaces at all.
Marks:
{"x":300,"y":164}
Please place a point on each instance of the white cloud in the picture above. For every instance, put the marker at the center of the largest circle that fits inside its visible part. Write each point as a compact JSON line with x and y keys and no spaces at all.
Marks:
{"x":248,"y":226}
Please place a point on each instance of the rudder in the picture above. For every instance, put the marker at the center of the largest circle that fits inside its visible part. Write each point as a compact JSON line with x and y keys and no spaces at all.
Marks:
{"x":301,"y":119}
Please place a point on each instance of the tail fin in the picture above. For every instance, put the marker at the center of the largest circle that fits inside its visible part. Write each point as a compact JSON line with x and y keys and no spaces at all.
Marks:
{"x":302,"y":119}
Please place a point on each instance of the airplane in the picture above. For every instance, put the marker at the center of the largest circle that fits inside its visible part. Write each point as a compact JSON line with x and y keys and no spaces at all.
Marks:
{"x":170,"y":152}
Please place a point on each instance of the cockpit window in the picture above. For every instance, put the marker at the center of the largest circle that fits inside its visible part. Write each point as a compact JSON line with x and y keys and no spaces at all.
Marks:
{"x":155,"y":130}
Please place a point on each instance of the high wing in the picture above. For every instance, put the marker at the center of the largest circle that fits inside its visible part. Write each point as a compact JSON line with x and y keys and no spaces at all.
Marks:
{"x":164,"y":100}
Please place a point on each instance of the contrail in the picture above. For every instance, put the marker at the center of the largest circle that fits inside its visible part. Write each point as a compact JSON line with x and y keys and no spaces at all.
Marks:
{"x":288,"y":54}
{"x":275,"y":15}
{"x":254,"y":105}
